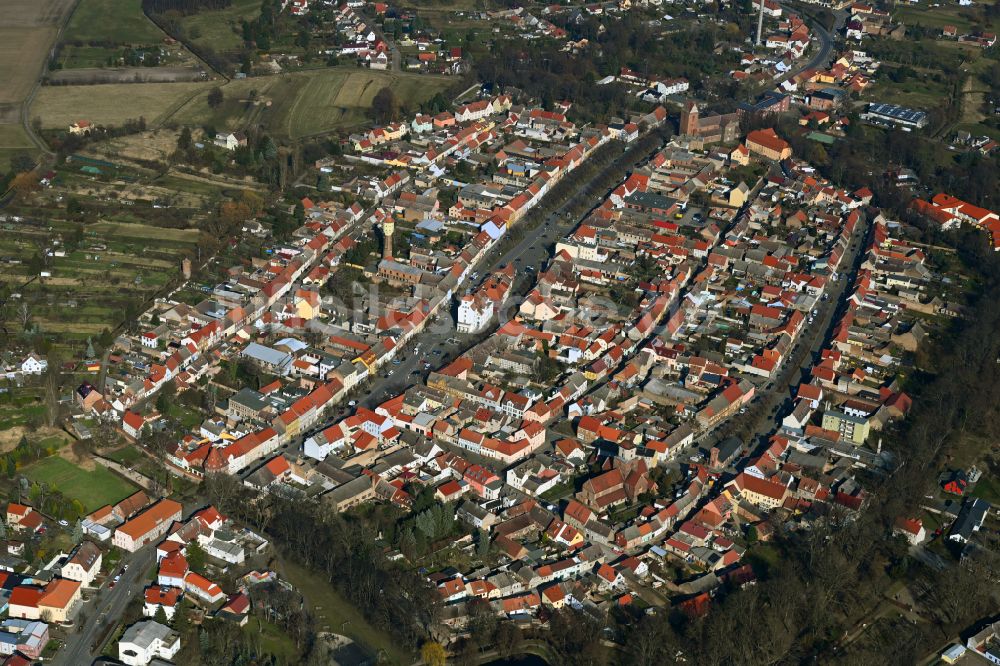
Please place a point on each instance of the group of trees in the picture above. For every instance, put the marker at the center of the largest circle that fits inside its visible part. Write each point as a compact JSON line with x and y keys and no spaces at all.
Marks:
{"x":260,"y":157}
{"x":548,"y":73}
{"x":872,"y":157}
{"x":262,"y":31}
{"x":27,"y":451}
{"x":48,"y":499}
{"x":417,"y":533}
{"x":183,"y":7}
{"x":386,"y":106}
{"x":344,"y":550}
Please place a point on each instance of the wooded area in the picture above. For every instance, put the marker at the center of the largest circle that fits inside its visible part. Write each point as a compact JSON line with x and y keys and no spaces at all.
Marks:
{"x":183,"y":6}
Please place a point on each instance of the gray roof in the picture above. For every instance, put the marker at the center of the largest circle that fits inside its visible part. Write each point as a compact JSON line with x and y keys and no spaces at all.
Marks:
{"x":144,"y":633}
{"x":250,"y":399}
{"x":266,"y":355}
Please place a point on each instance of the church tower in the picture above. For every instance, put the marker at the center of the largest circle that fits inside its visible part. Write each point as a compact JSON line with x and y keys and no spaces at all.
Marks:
{"x":689,"y":119}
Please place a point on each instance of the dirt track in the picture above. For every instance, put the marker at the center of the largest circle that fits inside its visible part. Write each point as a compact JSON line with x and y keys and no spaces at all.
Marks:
{"x":124,"y":75}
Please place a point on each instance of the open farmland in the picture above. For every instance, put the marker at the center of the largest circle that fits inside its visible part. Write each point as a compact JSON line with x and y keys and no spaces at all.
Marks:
{"x":26,"y":34}
{"x":291,"y":106}
{"x":112,"y":103}
{"x":28,"y":30}
{"x":936,"y":17}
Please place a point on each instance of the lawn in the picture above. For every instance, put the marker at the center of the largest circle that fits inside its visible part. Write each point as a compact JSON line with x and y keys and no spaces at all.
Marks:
{"x":987,"y":488}
{"x":119,"y":21}
{"x":272,"y":640}
{"x":918,"y":93}
{"x":764,"y":558}
{"x":333,"y":613}
{"x":93,"y":488}
{"x":14,"y":136}
{"x":220,"y":30}
{"x":126,"y":456}
{"x":111,"y":103}
{"x":13,"y":141}
{"x":12,"y":417}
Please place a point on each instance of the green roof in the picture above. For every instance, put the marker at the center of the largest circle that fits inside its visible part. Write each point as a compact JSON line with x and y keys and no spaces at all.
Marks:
{"x":822,"y":138}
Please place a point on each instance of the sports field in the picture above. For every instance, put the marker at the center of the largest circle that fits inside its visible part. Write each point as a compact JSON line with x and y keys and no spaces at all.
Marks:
{"x":93,"y":488}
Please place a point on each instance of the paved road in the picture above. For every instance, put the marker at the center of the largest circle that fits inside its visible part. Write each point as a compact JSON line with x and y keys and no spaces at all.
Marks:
{"x":822,"y":55}
{"x":107,"y":609}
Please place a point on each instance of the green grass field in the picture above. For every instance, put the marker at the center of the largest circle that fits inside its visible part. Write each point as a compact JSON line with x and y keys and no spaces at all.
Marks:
{"x":272,"y":640}
{"x":127,"y":456}
{"x":307,"y":103}
{"x":120,"y":21}
{"x":74,"y":57}
{"x":923,"y":14}
{"x":918,"y":93}
{"x":93,"y":488}
{"x":220,"y":30}
{"x":14,"y":141}
{"x":142,"y":231}
{"x":301,"y":104}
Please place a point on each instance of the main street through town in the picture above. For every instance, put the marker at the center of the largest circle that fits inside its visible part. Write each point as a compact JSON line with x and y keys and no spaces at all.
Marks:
{"x":439,"y":343}
{"x":774,"y":400}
